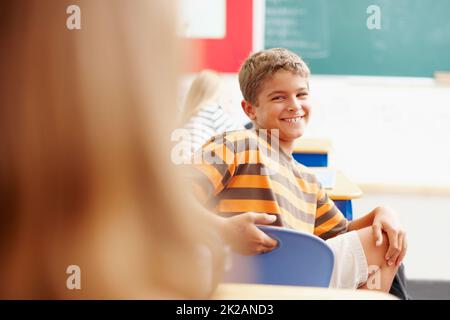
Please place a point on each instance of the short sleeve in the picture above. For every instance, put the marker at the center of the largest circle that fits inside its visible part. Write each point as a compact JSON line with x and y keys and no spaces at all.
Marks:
{"x":213,"y":166}
{"x":329,"y":221}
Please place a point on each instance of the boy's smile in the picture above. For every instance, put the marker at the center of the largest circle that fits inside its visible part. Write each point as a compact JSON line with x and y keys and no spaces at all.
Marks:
{"x":282,"y":104}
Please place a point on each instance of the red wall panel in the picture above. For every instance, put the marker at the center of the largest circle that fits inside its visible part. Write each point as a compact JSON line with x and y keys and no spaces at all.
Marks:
{"x":226,"y":55}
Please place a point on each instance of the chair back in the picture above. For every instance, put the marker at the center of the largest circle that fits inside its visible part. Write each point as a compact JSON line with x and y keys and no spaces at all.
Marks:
{"x":300,"y":259}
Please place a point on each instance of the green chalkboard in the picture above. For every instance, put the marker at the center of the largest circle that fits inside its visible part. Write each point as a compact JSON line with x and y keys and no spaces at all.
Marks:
{"x":333,"y":36}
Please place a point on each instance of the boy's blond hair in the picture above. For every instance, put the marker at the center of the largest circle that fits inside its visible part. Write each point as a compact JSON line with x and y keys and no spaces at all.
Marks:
{"x":263,"y":64}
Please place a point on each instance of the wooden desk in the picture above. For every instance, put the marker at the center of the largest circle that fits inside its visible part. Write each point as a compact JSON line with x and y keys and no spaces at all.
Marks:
{"x":234,"y":291}
{"x":343,"y":192}
{"x":312,"y":152}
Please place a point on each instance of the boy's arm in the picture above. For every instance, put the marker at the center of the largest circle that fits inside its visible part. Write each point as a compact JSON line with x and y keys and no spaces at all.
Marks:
{"x":361,"y":223}
{"x":330,"y":222}
{"x":383,"y":219}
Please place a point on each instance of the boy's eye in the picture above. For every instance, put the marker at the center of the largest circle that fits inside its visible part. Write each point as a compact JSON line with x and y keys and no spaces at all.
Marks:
{"x":277,"y":98}
{"x":303,"y":94}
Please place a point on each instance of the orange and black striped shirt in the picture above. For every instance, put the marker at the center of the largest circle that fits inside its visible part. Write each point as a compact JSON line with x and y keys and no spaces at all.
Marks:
{"x":244,"y":171}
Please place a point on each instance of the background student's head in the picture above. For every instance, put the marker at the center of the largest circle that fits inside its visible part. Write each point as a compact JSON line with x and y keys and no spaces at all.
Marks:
{"x":85,"y":176}
{"x":205,"y":89}
{"x":274,"y":84}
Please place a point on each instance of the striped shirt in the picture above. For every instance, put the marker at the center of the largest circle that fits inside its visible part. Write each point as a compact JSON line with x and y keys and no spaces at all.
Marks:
{"x":211,"y":120}
{"x":250,"y":173}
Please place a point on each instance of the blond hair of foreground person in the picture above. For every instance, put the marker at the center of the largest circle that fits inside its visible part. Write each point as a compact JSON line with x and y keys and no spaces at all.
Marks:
{"x":85,"y":171}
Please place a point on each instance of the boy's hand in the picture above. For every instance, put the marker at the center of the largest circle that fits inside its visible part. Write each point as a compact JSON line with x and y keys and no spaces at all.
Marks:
{"x":241,"y":232}
{"x":386,"y":220}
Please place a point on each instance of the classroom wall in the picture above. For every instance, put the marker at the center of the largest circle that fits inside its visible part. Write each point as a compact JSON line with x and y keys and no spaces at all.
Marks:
{"x":385,"y":130}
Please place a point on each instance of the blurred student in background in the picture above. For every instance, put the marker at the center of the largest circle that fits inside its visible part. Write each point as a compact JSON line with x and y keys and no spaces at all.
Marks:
{"x":203,"y":115}
{"x":85,"y":175}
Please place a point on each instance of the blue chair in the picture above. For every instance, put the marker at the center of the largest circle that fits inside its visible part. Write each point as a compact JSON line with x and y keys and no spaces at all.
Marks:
{"x":300,"y":259}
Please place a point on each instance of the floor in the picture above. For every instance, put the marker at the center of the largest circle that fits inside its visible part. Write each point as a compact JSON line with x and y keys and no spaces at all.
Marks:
{"x":426,"y":290}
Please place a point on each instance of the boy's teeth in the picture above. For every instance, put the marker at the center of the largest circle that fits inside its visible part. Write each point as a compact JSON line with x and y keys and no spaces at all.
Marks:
{"x":293,"y":119}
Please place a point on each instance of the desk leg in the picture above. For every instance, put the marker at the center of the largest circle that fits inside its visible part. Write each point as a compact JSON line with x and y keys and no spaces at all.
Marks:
{"x":346,"y":208}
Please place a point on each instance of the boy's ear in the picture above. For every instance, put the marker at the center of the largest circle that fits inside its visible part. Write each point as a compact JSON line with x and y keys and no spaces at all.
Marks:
{"x":249,"y":109}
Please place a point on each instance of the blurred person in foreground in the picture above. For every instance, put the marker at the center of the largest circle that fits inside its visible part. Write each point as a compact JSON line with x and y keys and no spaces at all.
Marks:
{"x":85,"y":173}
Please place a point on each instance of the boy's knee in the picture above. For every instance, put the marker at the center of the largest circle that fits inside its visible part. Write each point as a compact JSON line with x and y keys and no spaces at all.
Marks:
{"x":375,"y":255}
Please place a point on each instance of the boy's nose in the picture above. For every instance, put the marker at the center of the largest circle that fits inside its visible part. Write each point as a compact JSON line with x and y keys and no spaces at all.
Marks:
{"x":295,"y":106}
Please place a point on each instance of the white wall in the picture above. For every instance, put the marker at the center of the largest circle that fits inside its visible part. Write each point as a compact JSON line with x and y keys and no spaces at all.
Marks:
{"x":426,"y":220}
{"x":385,"y":130}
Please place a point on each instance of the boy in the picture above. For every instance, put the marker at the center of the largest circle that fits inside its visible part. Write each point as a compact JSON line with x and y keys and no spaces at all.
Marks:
{"x":246,"y":171}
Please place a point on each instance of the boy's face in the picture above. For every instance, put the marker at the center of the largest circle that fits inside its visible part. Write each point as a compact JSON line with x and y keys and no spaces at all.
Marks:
{"x":283,"y":104}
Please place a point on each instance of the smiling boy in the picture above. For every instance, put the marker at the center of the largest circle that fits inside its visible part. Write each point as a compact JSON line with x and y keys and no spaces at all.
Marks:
{"x":275,"y":87}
